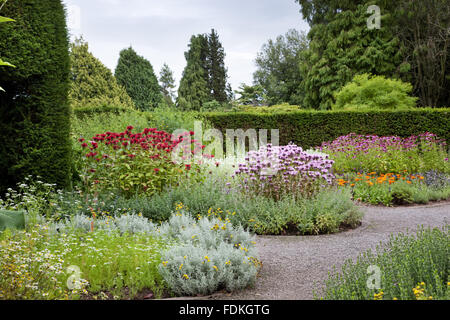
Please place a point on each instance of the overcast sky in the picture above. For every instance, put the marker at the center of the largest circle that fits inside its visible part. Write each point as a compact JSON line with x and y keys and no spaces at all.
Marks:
{"x":160,"y":30}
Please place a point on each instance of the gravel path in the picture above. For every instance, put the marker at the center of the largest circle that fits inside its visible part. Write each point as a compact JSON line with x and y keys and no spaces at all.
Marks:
{"x":291,"y":264}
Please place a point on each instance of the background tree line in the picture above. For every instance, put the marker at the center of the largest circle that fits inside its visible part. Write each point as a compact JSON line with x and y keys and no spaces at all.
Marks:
{"x":412,"y":45}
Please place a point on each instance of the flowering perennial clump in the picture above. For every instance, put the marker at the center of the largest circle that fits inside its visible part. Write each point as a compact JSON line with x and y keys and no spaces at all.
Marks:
{"x":287,"y":170}
{"x":137,"y":162}
{"x":368,"y":153}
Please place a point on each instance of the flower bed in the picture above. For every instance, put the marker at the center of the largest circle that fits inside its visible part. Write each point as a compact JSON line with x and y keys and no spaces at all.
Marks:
{"x":361,"y":153}
{"x":136,"y":163}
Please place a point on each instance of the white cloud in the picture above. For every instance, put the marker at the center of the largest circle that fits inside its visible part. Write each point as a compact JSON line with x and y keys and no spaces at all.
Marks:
{"x":160,"y":30}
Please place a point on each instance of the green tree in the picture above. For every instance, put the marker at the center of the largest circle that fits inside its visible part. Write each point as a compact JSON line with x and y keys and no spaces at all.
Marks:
{"x":167,"y":83}
{"x":92,"y":83}
{"x":251,"y":95}
{"x":412,"y":44}
{"x":34,"y":110}
{"x":194,"y":90}
{"x":423,"y":30}
{"x":343,"y":47}
{"x":136,"y":74}
{"x":217,"y":72}
{"x":205,"y":76}
{"x":278,"y":69}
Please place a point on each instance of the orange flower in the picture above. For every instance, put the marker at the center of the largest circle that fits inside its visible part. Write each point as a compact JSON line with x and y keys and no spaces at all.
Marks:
{"x":352,"y":185}
{"x":408,"y":182}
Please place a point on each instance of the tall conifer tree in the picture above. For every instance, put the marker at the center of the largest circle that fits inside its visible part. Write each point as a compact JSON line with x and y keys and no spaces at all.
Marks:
{"x":136,"y":74}
{"x":92,"y":83}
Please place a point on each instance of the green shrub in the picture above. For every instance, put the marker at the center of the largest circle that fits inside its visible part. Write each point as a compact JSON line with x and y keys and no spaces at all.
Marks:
{"x":257,"y":214}
{"x":404,"y":261}
{"x":35,"y":113}
{"x":92,"y":83}
{"x":309,"y":129}
{"x":202,"y":255}
{"x":136,"y":75}
{"x":368,"y":92}
{"x":212,"y":255}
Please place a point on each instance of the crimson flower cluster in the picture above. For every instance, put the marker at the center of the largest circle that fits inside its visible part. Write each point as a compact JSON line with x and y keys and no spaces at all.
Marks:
{"x":134,"y":161}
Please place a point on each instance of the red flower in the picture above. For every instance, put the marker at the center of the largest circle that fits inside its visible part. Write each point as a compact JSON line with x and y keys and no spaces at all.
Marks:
{"x":84,"y":145}
{"x":156,"y":170}
{"x":188,"y":167}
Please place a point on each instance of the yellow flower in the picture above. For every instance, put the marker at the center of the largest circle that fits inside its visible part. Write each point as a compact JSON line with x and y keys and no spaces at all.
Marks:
{"x":181,"y":266}
{"x":215,"y":268}
{"x":207,"y":259}
{"x":228,"y":262}
{"x":164,"y":263}
{"x":185,"y":276}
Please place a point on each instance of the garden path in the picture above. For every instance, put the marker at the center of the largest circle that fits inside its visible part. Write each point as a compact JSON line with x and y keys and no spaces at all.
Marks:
{"x":292,"y":264}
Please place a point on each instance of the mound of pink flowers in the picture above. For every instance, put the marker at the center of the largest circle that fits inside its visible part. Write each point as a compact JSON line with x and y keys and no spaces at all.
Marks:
{"x":275,"y":171}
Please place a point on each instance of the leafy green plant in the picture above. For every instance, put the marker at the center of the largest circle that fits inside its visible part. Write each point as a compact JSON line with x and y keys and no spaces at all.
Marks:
{"x":212,"y":255}
{"x":38,"y":264}
{"x":367,"y":92}
{"x":404,"y":261}
{"x":137,"y":163}
{"x":3,"y":20}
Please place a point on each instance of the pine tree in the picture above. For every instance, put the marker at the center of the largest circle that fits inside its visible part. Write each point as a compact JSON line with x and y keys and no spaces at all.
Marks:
{"x":167,"y":83}
{"x":136,"y":74}
{"x":194,"y":89}
{"x":205,"y":59}
{"x":34,"y":109}
{"x":220,"y":90}
{"x":92,"y":83}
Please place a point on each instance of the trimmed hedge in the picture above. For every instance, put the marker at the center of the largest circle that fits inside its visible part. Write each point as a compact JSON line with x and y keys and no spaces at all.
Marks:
{"x":34,"y":110}
{"x":310,"y":128}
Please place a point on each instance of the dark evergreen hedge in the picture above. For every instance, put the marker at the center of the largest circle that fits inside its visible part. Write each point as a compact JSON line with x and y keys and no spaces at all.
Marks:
{"x":34,"y":111}
{"x":311,"y":128}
